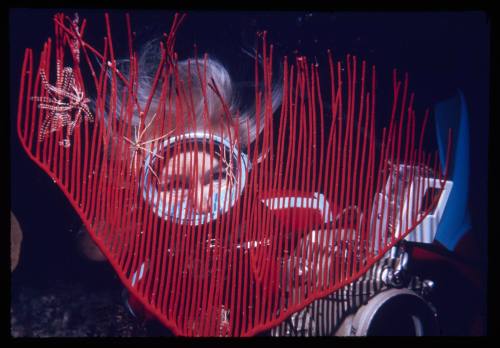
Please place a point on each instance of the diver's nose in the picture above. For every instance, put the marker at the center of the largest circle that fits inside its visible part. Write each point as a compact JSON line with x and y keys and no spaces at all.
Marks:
{"x":200,"y":199}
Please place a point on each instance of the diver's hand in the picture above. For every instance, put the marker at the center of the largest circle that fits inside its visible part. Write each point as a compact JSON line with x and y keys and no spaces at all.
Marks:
{"x":87,"y":247}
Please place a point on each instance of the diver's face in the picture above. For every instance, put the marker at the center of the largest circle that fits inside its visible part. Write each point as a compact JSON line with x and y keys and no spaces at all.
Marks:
{"x":192,"y":176}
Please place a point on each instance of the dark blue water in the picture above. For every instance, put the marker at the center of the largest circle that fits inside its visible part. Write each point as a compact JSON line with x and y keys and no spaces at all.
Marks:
{"x":441,"y":51}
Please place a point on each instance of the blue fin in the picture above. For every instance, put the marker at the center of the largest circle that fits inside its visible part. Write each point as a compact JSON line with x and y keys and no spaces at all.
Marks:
{"x":455,"y":222}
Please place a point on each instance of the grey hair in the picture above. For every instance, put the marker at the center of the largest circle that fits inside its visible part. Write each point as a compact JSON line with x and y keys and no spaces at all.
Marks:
{"x":192,"y":72}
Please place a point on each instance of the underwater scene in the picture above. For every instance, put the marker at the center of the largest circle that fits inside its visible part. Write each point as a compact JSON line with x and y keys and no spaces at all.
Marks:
{"x":248,"y":173}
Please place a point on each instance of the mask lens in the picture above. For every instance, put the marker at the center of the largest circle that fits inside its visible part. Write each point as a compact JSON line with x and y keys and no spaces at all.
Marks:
{"x":194,"y":178}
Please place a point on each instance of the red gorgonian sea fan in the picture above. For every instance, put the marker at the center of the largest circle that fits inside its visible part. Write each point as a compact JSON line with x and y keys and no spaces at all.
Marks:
{"x":218,"y":232}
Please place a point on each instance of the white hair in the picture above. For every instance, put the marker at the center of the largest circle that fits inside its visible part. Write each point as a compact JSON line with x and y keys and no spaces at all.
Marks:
{"x":191,"y":72}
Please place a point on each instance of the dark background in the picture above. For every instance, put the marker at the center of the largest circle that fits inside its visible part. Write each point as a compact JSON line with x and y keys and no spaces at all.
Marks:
{"x":442,"y":52}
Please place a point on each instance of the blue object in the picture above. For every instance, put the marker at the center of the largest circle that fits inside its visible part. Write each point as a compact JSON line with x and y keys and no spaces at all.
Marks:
{"x":455,"y":222}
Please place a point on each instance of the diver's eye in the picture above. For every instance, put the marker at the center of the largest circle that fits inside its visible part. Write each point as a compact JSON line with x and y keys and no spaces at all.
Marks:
{"x":174,"y":185}
{"x":219,"y":175}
